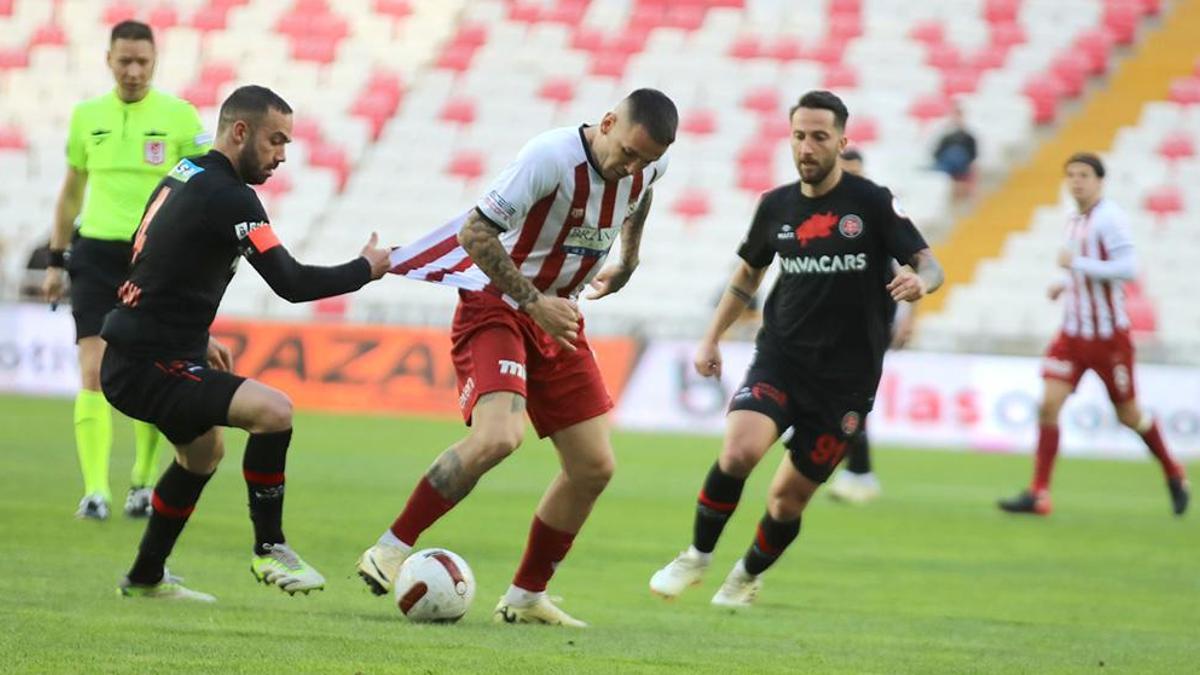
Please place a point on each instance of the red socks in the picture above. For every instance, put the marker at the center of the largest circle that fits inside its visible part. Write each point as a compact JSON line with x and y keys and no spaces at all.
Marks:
{"x":545,"y":550}
{"x":425,"y":505}
{"x":1154,"y":441}
{"x":1047,"y":450}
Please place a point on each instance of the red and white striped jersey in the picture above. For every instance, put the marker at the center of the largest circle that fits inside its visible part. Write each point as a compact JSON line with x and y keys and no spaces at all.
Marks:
{"x":558,"y":218}
{"x":1094,"y":301}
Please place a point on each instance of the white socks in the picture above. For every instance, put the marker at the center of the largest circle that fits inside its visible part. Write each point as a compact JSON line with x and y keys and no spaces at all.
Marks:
{"x":703,"y":557}
{"x":389,"y":539}
{"x":521,"y":597}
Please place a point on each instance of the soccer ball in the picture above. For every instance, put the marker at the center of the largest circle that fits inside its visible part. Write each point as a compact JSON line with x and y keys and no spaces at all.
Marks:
{"x":434,"y":585}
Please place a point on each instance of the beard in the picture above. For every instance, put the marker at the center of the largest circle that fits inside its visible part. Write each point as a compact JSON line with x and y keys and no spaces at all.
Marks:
{"x":250,"y":166}
{"x":820,"y":172}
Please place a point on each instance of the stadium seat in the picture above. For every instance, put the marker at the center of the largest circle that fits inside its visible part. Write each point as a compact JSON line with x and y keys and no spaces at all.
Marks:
{"x":1178,"y":145}
{"x":1096,"y":45}
{"x":1001,"y":11}
{"x":467,"y":164}
{"x":459,"y":111}
{"x":698,"y":122}
{"x":393,"y":8}
{"x":1164,"y":201}
{"x":557,"y":90}
{"x":1186,"y":90}
{"x":1121,"y":18}
{"x":692,"y":204}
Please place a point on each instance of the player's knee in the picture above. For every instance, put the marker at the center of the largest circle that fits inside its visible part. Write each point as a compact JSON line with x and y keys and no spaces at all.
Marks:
{"x":784,"y":505}
{"x":738,"y":458}
{"x":594,"y":476}
{"x":494,"y":445}
{"x":1048,"y":412}
{"x":1129,"y":416}
{"x":275,"y":414}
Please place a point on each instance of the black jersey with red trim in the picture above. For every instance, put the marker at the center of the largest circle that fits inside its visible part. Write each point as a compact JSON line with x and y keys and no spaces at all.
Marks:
{"x":829,"y":312}
{"x":197,"y":222}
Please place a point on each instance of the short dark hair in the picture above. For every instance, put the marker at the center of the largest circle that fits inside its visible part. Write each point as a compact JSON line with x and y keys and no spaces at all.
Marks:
{"x":250,"y":102}
{"x":131,"y":30}
{"x":1089,"y":158}
{"x":819,"y":99}
{"x":852,"y":155}
{"x":655,"y":112}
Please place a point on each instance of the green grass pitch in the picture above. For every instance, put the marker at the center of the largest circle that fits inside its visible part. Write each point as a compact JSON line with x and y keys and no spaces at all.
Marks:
{"x":931,"y":578}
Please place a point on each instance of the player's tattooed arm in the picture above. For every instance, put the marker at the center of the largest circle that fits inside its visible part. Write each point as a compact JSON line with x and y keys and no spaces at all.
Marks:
{"x":481,"y":240}
{"x":631,"y":231}
{"x":741,"y":294}
{"x":922,"y":276}
{"x":929,"y":269}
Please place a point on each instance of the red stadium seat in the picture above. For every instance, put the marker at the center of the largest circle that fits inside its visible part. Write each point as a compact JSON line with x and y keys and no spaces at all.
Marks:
{"x":525,"y":12}
{"x":48,"y":34}
{"x":756,"y":179}
{"x":929,"y":107}
{"x":568,"y":12}
{"x":332,"y":157}
{"x":699,"y":122}
{"x":331,"y":309}
{"x":746,"y":47}
{"x":763,"y":100}
{"x":1164,"y":201}
{"x":843,"y":27}
{"x":458,"y":110}
{"x":280,"y":184}
{"x":308,"y":130}
{"x":557,"y":90}
{"x":201,"y":94}
{"x":785,"y":48}
{"x":692,"y":203}
{"x":844,"y":7}
{"x":1001,"y":11}
{"x":1006,"y":34}
{"x":456,"y":57}
{"x":588,"y":39}
{"x":988,"y":57}
{"x":686,"y":17}
{"x":473,"y":34}
{"x":1071,"y":69}
{"x":773,"y":128}
{"x":118,"y":12}
{"x":315,"y":49}
{"x":6,"y":7}
{"x":11,"y":138}
{"x":840,"y":77}
{"x":828,"y":52}
{"x":211,"y":18}
{"x":943,"y":56}
{"x":963,"y":80}
{"x":930,"y":32}
{"x":862,"y":130}
{"x":163,"y":17}
{"x":376,"y":107}
{"x":16,"y":57}
{"x":1176,"y":146}
{"x":759,"y":153}
{"x":628,"y":41}
{"x":217,"y":74}
{"x":1185,"y":90}
{"x":1122,"y":19}
{"x":609,"y":64}
{"x":1043,"y":91}
{"x":1096,"y":45}
{"x":393,"y":8}
{"x":310,"y":6}
{"x":467,"y":164}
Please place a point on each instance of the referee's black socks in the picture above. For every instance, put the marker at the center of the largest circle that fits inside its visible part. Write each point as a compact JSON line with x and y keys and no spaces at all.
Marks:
{"x":174,"y":499}
{"x":263,"y":467}
{"x":717,"y":501}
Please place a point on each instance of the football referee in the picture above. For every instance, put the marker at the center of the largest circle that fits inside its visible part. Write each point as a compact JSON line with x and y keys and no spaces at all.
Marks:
{"x":119,"y":147}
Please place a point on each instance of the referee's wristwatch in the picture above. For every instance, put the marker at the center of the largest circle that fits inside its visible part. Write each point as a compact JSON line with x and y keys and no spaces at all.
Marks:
{"x":58,"y":258}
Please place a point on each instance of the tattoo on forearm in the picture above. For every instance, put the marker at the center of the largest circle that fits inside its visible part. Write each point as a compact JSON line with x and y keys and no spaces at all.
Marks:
{"x":518,"y":404}
{"x":448,"y":477}
{"x":741,"y":294}
{"x":631,"y":230}
{"x":481,"y":242}
{"x":928,"y":268}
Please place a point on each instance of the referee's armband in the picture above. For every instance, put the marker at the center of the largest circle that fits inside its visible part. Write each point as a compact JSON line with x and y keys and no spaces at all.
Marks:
{"x":255,"y":238}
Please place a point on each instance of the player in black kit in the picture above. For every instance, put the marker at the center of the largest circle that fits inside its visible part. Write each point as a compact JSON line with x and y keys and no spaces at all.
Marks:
{"x":820,"y":351}
{"x":162,"y":367}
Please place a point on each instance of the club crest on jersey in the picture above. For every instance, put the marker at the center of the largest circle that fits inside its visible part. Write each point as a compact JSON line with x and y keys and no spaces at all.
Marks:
{"x":850,"y":226}
{"x":154,"y":152}
{"x":577,"y":213}
{"x":850,"y":423}
{"x":816,"y":226}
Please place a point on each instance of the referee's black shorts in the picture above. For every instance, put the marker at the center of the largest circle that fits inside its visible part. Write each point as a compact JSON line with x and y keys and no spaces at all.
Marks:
{"x":97,"y":268}
{"x":822,"y":419}
{"x":184,"y":398}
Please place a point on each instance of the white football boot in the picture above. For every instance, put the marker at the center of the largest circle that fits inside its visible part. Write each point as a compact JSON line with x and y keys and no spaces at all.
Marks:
{"x":685,"y":571}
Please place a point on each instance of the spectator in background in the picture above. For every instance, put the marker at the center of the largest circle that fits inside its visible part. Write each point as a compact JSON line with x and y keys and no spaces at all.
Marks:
{"x":956,"y":152}
{"x":852,"y":161}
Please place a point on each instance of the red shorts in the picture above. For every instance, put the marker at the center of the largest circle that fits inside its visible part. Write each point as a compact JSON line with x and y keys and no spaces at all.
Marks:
{"x":1068,"y":358}
{"x":497,"y":348}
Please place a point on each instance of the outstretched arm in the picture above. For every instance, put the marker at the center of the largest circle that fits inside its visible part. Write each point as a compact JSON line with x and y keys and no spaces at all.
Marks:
{"x":296,"y":282}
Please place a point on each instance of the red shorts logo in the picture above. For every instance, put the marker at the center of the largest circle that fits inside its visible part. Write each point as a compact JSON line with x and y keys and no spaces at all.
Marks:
{"x":763,"y":390}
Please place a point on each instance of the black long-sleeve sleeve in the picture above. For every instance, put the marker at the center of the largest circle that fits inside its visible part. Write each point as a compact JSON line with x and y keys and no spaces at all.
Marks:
{"x":294,"y":281}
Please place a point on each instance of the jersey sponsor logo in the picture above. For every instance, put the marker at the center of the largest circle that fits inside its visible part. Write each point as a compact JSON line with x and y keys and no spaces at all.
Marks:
{"x":816,"y":226}
{"x":851,"y":423}
{"x":508,"y":367}
{"x":825,"y":264}
{"x":498,"y":205}
{"x":1058,"y":367}
{"x":467,"y":390}
{"x":589,"y":241}
{"x":154,"y":152}
{"x":850,"y":226}
{"x":256,"y":237}
{"x":184,"y":171}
